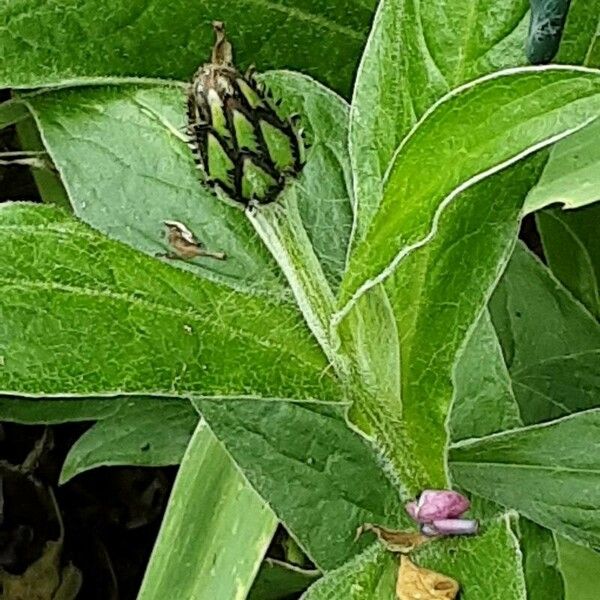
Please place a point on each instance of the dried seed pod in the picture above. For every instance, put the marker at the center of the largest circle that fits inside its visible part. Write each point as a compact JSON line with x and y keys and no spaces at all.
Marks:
{"x":243,"y":146}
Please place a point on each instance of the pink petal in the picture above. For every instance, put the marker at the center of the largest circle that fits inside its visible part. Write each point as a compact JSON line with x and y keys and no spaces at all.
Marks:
{"x":440,"y":504}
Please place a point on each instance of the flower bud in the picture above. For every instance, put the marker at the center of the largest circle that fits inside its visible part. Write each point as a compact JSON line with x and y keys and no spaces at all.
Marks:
{"x":242,"y":145}
{"x":437,"y":504}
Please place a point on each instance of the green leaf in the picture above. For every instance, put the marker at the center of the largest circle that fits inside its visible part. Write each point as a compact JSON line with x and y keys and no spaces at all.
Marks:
{"x":215,"y":532}
{"x":486,"y":566}
{"x":549,"y":472}
{"x":325,"y":183}
{"x":543,"y":577}
{"x":550,"y":342}
{"x":123,"y":159}
{"x":84,"y":315}
{"x":580,"y":43}
{"x":369,"y":576}
{"x":484,"y":401}
{"x":415,"y":54}
{"x":99,"y":134}
{"x":578,"y":565}
{"x":143,"y":432}
{"x":11,"y":112}
{"x":322,"y":479}
{"x":98,"y":38}
{"x":55,"y":411}
{"x":48,"y":182}
{"x":475,"y":131}
{"x":435,"y":306}
{"x":572,"y":249}
{"x":277,"y":580}
{"x":572,"y":174}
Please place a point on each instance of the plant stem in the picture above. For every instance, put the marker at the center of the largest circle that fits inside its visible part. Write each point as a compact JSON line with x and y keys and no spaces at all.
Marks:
{"x":281,"y":228}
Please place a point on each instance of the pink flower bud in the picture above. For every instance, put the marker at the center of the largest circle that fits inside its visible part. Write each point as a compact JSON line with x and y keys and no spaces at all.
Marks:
{"x":440,"y":504}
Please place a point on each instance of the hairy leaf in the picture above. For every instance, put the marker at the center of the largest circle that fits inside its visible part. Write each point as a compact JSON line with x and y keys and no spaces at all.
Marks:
{"x":548,"y":472}
{"x":551,"y":344}
{"x":369,"y":576}
{"x":322,"y":480}
{"x":84,"y":315}
{"x":142,"y":432}
{"x":484,"y":400}
{"x":475,"y":131}
{"x":416,"y":53}
{"x":486,"y":566}
{"x":576,"y":564}
{"x":52,"y":42}
{"x":572,"y":249}
{"x":435,"y":305}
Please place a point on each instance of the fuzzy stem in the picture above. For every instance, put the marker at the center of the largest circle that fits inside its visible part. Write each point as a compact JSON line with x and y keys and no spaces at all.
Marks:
{"x":281,"y":228}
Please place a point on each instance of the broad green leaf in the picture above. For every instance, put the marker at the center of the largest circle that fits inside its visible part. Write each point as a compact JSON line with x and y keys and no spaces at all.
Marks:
{"x":543,"y":577}
{"x":11,"y":112}
{"x":325,"y":185}
{"x":369,"y":576}
{"x":123,"y":159}
{"x":83,"y":315}
{"x":96,"y":131}
{"x":484,"y":401}
{"x":572,"y":174}
{"x":322,"y":479}
{"x":572,"y":249}
{"x":53,"y":43}
{"x":580,"y":43}
{"x":277,"y":580}
{"x":579,"y":566}
{"x":551,"y":344}
{"x":550,"y":473}
{"x":143,"y":432}
{"x":215,"y":532}
{"x":436,"y":304}
{"x":486,"y":566}
{"x":475,"y":131}
{"x":55,"y":411}
{"x":416,"y":53}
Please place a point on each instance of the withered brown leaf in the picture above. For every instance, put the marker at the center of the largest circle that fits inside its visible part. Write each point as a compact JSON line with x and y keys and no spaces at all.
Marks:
{"x":395,"y":541}
{"x":417,"y":583}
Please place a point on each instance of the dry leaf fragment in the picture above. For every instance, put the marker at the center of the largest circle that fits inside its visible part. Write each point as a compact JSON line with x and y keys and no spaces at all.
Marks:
{"x":185,"y":245}
{"x":416,"y":583}
{"x":395,"y":541}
